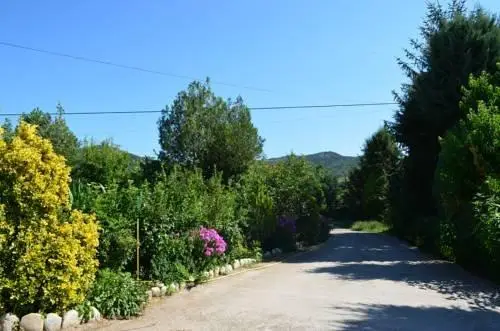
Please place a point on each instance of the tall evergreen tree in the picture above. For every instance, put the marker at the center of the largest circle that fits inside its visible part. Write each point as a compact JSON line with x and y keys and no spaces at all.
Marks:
{"x":453,"y":45}
{"x":368,"y":185}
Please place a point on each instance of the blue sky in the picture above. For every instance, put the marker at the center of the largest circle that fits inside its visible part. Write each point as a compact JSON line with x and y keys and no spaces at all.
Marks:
{"x":304,"y":52}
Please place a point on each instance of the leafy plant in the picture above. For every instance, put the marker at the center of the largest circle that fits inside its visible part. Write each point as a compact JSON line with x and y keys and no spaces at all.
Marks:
{"x":85,"y":311}
{"x":49,"y":262}
{"x":117,"y":294}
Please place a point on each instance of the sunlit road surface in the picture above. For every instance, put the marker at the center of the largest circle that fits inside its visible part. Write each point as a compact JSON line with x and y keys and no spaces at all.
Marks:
{"x":355,"y":281}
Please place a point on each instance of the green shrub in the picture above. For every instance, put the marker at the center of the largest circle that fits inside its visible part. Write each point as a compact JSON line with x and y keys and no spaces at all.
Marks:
{"x":486,"y":206}
{"x":467,"y":179}
{"x":178,"y":205}
{"x":117,"y":294}
{"x":104,"y":163}
{"x":117,"y":209}
{"x":256,"y":201}
{"x":47,"y":250}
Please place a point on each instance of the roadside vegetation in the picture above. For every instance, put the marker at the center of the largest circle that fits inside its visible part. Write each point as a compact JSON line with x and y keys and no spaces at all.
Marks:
{"x":73,"y":213}
{"x":432,"y":174}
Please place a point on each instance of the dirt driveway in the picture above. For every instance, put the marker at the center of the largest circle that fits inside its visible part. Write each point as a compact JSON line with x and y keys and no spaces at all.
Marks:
{"x":356,"y":281}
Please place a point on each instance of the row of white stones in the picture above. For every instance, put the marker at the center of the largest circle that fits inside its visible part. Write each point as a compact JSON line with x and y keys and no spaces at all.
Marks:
{"x":51,"y":322}
{"x":161,"y":289}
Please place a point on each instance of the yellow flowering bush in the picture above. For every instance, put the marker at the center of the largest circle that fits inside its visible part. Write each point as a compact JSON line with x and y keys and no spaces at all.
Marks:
{"x":47,"y":252}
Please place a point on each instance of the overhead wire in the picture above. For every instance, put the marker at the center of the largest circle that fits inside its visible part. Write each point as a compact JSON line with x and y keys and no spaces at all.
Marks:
{"x":125,"y":112}
{"x":124,"y":66}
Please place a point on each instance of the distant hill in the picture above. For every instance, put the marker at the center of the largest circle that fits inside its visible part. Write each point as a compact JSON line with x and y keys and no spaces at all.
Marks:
{"x":338,"y":164}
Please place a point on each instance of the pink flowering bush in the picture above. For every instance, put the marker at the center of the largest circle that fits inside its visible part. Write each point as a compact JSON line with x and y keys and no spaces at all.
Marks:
{"x":213,"y":243}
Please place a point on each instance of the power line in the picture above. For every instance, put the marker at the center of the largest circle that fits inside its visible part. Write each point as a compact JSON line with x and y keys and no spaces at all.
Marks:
{"x":123,"y":66}
{"x":327,"y":106}
{"x":370,"y":104}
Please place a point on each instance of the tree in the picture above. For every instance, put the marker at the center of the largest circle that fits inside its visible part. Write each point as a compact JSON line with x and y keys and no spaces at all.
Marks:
{"x":297,"y":192}
{"x":205,"y":131}
{"x":104,"y":163}
{"x":454,"y":45}
{"x":63,"y":140}
{"x":467,"y":176}
{"x":8,"y":130}
{"x":47,"y":250}
{"x":368,"y":187}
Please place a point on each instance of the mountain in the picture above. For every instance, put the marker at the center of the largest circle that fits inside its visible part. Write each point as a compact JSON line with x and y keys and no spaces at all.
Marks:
{"x":338,"y":164}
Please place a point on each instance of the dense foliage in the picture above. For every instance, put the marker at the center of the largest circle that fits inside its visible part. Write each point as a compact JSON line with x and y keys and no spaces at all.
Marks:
{"x":454,"y":44}
{"x":467,"y":178}
{"x":442,"y":191}
{"x":367,"y":188}
{"x":47,"y":256}
{"x":56,"y":130}
{"x":104,"y":163}
{"x":117,"y":294}
{"x":205,"y":131}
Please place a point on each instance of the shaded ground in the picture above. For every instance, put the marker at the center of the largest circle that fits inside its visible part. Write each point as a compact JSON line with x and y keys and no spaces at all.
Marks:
{"x":356,"y":281}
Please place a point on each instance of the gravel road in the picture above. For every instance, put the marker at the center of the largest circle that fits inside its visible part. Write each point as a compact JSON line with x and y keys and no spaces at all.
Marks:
{"x":355,"y":281}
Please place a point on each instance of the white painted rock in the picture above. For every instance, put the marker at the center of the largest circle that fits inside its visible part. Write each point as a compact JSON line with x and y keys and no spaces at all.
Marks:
{"x":149,"y":294}
{"x":9,"y":322}
{"x":163,"y":290}
{"x":236,"y":264}
{"x":156,"y":291}
{"x":96,"y":315}
{"x":278,"y":251}
{"x":216,"y":271}
{"x":267,"y":254}
{"x":31,"y":322}
{"x":211,"y":274}
{"x":229,"y":268}
{"x":70,"y":318}
{"x":182,"y":286}
{"x":159,"y":284}
{"x":52,"y":322}
{"x":222,"y":270}
{"x":206,"y":274}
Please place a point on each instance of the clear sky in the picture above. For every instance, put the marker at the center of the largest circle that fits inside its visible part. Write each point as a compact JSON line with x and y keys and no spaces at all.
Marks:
{"x":304,"y":52}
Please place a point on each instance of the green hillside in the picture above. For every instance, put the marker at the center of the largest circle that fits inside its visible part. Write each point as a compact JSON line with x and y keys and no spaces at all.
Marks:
{"x":339,"y":164}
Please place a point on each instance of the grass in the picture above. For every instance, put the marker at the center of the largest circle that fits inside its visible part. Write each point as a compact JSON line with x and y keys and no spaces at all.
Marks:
{"x":370,"y":226}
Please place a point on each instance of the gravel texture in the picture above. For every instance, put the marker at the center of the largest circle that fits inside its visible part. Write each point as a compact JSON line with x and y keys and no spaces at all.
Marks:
{"x":355,"y":281}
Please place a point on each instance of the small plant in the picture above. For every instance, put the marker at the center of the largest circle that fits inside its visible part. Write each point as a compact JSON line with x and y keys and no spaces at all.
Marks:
{"x":117,"y":294}
{"x":85,"y":311}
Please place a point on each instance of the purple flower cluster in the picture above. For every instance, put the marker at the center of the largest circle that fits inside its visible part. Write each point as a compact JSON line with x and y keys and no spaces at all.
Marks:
{"x":213,"y":243}
{"x":287,"y":224}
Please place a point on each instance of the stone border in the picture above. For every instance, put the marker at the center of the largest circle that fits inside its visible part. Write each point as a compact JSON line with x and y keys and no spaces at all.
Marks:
{"x":51,"y":322}
{"x":71,"y":318}
{"x":159,"y":289}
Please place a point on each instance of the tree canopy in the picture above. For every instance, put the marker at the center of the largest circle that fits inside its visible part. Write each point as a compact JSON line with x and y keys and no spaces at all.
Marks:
{"x":454,"y":44}
{"x":206,"y":131}
{"x":56,"y":130}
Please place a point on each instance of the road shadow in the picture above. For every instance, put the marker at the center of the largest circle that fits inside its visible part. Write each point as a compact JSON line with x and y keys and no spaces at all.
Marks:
{"x":390,"y":317}
{"x":364,"y":256}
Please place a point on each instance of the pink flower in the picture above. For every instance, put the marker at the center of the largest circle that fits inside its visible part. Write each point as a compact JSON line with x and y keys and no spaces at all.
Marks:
{"x":212,"y":242}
